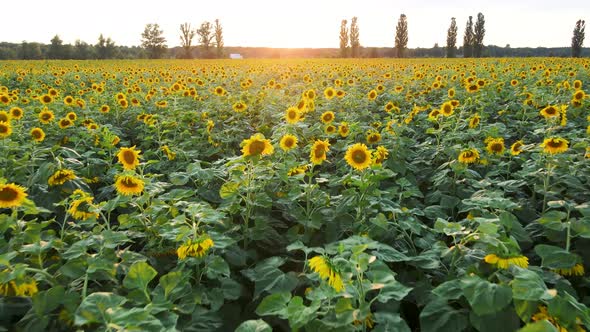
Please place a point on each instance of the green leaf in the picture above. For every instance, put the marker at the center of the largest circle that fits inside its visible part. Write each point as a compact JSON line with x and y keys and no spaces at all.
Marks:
{"x":484,"y":296}
{"x":387,"y":321}
{"x":540,"y":326}
{"x":555,"y":257}
{"x":139,"y":276}
{"x":46,"y":301}
{"x":254,"y":326}
{"x":505,"y":320}
{"x":438,"y":316}
{"x":217,"y":267}
{"x":274,"y":304}
{"x":529,"y":286}
{"x":298,"y":314}
{"x":93,"y":308}
{"x":170,"y":281}
{"x":450,"y":290}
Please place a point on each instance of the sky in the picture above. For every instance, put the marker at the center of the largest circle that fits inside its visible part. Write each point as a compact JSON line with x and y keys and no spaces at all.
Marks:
{"x":303,"y":23}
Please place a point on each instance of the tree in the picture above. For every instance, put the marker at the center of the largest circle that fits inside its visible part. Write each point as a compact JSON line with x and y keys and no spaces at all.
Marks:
{"x":186,"y":39}
{"x":218,"y":39}
{"x":105,"y":48}
{"x":205,"y":38}
{"x":343,"y":39}
{"x":55,"y":48}
{"x":468,"y":39}
{"x":401,"y":36}
{"x":578,"y":38}
{"x":152,"y":39}
{"x":479,"y":33}
{"x":452,"y":39}
{"x":30,"y":51}
{"x":355,"y":44}
{"x":82,"y":50}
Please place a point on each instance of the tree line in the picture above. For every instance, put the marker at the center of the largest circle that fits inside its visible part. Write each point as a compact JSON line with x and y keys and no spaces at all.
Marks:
{"x":210,"y":44}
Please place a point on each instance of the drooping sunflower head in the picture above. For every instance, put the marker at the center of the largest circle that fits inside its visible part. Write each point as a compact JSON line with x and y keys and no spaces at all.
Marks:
{"x":468,"y":156}
{"x":358,"y":156}
{"x":61,"y":176}
{"x":516,"y":148}
{"x":318,"y":151}
{"x":292,"y":115}
{"x":16,"y":113}
{"x":495,"y":145}
{"x":37,"y":134}
{"x":257,"y":145}
{"x":474,"y":121}
{"x":83,"y":208}
{"x":129,"y":157}
{"x":128,"y":185}
{"x":288,"y":142}
{"x":327,"y":117}
{"x":11,"y":195}
{"x":5,"y":129}
{"x":554,"y":145}
{"x":379,"y":155}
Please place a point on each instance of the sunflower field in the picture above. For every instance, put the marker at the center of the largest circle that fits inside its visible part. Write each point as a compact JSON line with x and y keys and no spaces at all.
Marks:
{"x":295,"y":195}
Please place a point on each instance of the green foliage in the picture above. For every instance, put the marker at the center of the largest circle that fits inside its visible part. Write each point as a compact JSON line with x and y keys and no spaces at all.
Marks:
{"x":153,"y":40}
{"x":452,"y":39}
{"x":401,"y":36}
{"x":578,"y":38}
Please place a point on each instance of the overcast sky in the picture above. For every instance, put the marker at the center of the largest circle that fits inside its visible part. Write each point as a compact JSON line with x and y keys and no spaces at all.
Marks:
{"x":303,"y":23}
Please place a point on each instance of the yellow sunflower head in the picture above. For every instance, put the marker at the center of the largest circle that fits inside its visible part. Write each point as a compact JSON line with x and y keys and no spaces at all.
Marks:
{"x":495,"y":145}
{"x":318,"y":151}
{"x":516,"y":148}
{"x":550,"y":112}
{"x":447,"y":109}
{"x":474,"y":121}
{"x":358,"y":156}
{"x":5,"y":129}
{"x":379,"y":155}
{"x":327,"y":117}
{"x":343,"y":129}
{"x":373,"y":137}
{"x":128,"y":185}
{"x":61,"y":176}
{"x":372,"y":95}
{"x":129,"y":157}
{"x":330,"y":129}
{"x":16,"y":113}
{"x":292,"y":115}
{"x":468,"y":156}
{"x":11,"y":195}
{"x":257,"y":145}
{"x":4,"y":116}
{"x":288,"y":142}
{"x":329,"y":93}
{"x":64,"y":123}
{"x":46,"y":116}
{"x":554,"y":145}
{"x":37,"y":134}
{"x":240,"y":107}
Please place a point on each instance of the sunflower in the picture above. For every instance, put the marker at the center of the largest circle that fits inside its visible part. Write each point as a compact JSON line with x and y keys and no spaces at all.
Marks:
{"x":495,"y":145}
{"x":330,"y":129}
{"x":83,"y":208}
{"x":309,"y":94}
{"x":554,"y":145}
{"x":340,"y":94}
{"x":579,"y":95}
{"x":358,"y":156}
{"x":38,"y":134}
{"x":318,"y":151}
{"x":576,"y":270}
{"x":46,"y":99}
{"x":516,"y":148}
{"x":219,"y":91}
{"x":11,"y":195}
{"x":169,"y":153}
{"x":240,"y":107}
{"x":4,"y":116}
{"x":27,"y":288}
{"x":46,"y":116}
{"x":326,"y":271}
{"x":504,"y":263}
{"x":61,"y":176}
{"x":129,"y":185}
{"x":468,"y":156}
{"x":292,"y":115}
{"x":72,"y":116}
{"x":16,"y":113}
{"x":343,"y":129}
{"x":474,"y":121}
{"x":329,"y":93}
{"x":434,"y":114}
{"x":577,"y":84}
{"x":5,"y":129}
{"x":69,"y":100}
{"x":257,"y":145}
{"x":5,"y":99}
{"x":288,"y":142}
{"x":115,"y":140}
{"x":514,"y":82}
{"x":297,"y":170}
{"x":446,"y":109}
{"x":196,"y":248}
{"x":372,"y":95}
{"x":549,"y":112}
{"x":327,"y":117}
{"x":105,"y":109}
{"x":472,"y":88}
{"x":64,"y":123}
{"x":373,"y":137}
{"x":379,"y":155}
{"x":129,"y":157}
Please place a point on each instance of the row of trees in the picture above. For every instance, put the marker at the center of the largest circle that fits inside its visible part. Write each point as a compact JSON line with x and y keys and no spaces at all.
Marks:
{"x":210,"y":40}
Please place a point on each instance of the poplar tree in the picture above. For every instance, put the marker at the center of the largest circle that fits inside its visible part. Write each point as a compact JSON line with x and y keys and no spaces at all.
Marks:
{"x":343,"y":39}
{"x":401,"y":36}
{"x":218,"y":39}
{"x":578,"y":38}
{"x":355,"y":44}
{"x":468,"y":39}
{"x":452,"y":39}
{"x":479,"y":33}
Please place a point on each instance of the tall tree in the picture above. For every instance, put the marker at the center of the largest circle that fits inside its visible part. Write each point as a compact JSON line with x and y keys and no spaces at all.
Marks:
{"x":452,"y":39}
{"x":152,"y":39}
{"x":30,"y":51}
{"x":82,"y":50}
{"x":355,"y":44}
{"x":219,"y":39}
{"x":479,"y":33}
{"x":468,"y":39}
{"x":578,"y":38}
{"x":186,"y":39}
{"x":343,"y":39}
{"x":55,"y":48}
{"x":401,"y":36}
{"x":205,"y":37}
{"x":105,"y":48}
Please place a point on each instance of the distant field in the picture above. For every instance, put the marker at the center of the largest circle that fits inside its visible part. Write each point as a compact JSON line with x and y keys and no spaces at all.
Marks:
{"x":311,"y":195}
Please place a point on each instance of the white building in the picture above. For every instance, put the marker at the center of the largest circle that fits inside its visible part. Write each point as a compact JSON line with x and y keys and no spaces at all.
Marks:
{"x":235,"y":56}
